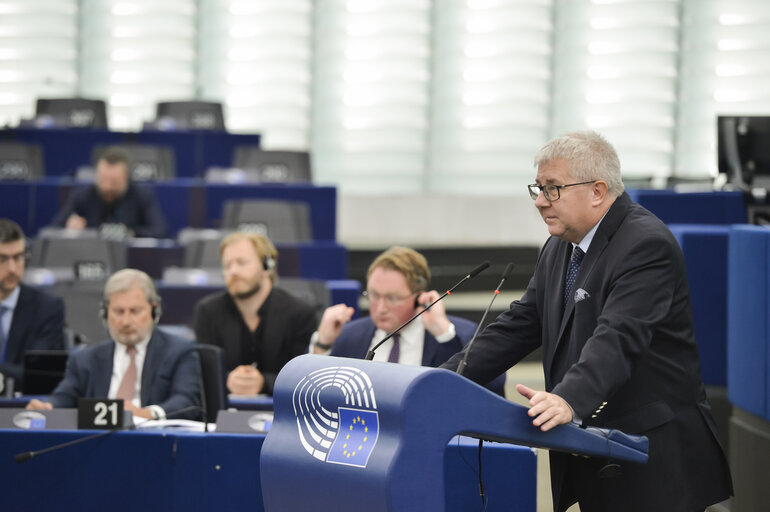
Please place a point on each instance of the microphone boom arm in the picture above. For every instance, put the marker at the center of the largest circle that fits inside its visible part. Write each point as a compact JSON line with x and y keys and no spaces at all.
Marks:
{"x":464,"y":361}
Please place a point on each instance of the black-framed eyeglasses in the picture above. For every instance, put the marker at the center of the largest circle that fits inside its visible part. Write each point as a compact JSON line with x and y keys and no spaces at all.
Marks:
{"x":552,"y":192}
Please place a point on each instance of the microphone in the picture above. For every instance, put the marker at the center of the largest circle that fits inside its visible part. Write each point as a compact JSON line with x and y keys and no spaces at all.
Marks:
{"x":25,"y":456}
{"x":464,"y":362}
{"x":473,"y":273}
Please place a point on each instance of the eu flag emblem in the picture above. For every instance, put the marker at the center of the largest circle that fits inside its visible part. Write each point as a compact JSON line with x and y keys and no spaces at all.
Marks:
{"x":356,"y":437}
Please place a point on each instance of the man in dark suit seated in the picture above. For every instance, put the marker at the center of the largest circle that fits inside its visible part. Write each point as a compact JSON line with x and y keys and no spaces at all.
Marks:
{"x":29,"y":318}
{"x":609,"y":304}
{"x":156,"y":374}
{"x":114,"y":203}
{"x":397,"y":282}
{"x":259,"y":327}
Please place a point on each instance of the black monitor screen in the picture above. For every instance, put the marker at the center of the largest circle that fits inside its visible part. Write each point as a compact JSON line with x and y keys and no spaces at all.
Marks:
{"x":744,"y":150}
{"x":43,"y":369}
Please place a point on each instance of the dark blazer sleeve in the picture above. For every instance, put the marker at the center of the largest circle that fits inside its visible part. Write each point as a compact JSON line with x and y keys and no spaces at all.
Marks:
{"x":301,"y":323}
{"x":354,"y":339}
{"x":152,"y":223}
{"x":73,"y":205}
{"x":175,"y":381}
{"x":80,"y":376}
{"x":38,"y":324}
{"x":464,"y":330}
{"x":619,"y":330}
{"x":202,"y":323}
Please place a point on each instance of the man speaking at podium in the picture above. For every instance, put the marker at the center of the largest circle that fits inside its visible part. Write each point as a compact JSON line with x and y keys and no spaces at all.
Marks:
{"x":153,"y":372}
{"x":609,"y":303}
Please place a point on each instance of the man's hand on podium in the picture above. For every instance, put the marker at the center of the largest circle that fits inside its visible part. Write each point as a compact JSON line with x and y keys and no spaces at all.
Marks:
{"x":549,"y":410}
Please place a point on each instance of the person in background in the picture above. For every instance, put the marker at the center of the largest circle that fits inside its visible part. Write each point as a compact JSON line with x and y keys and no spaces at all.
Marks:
{"x":260,"y":327}
{"x":113,"y":200}
{"x":609,"y":304}
{"x":156,"y":374}
{"x":397,"y":288}
{"x":30,"y":319}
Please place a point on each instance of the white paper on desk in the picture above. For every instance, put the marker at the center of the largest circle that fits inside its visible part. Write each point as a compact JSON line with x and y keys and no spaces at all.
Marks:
{"x":177,"y":424}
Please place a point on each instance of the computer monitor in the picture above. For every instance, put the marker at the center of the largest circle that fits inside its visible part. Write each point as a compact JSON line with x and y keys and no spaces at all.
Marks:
{"x":73,"y":112}
{"x":744,"y":150}
{"x":43,"y":370}
{"x":192,"y":115}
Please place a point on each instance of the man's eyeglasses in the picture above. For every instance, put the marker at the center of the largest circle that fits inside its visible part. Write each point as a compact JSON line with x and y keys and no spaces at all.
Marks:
{"x":389,"y":299}
{"x":552,"y":192}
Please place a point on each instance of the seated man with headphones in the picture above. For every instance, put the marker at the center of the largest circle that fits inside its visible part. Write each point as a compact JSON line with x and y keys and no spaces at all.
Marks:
{"x":259,"y":327}
{"x":156,"y":374}
{"x":397,"y":282}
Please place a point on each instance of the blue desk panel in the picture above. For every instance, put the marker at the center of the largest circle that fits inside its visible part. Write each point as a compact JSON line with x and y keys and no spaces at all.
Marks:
{"x":693,"y":207}
{"x":17,"y":203}
{"x":172,"y":470}
{"x":64,"y":150}
{"x":705,"y":253}
{"x":748,"y":335}
{"x":318,"y":260}
{"x":184,"y":202}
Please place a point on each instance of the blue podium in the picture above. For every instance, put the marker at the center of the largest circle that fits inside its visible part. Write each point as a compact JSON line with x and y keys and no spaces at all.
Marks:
{"x":355,"y":432}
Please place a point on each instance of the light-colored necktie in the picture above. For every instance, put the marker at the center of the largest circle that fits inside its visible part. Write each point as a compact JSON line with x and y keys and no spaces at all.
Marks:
{"x":393,"y":357}
{"x":128,"y":384}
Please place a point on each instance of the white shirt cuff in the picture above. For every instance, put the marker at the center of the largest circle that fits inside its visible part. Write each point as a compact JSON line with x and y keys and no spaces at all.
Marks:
{"x":449,"y":335}
{"x":157,"y":412}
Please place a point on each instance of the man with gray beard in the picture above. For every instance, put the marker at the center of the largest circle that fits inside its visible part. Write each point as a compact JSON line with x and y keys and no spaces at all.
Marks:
{"x":155,"y":374}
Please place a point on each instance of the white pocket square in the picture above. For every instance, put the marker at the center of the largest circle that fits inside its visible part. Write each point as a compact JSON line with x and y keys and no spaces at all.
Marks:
{"x":581,"y":294}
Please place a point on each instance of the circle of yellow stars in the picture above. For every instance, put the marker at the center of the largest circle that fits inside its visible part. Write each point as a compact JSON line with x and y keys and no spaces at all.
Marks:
{"x":352,"y":453}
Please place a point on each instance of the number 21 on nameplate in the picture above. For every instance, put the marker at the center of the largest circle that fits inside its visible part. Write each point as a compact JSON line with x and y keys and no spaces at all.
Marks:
{"x":99,"y":413}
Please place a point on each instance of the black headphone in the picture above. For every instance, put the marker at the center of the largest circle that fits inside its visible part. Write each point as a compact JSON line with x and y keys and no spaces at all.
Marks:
{"x":266,"y":248}
{"x":268,"y":263}
{"x":422,"y":283}
{"x":156,"y":312}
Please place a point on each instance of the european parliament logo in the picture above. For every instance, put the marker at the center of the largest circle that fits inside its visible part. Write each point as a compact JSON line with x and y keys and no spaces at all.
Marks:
{"x":344,"y":433}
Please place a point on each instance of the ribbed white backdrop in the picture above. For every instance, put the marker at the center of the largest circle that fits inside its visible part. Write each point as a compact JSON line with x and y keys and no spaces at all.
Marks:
{"x":490,"y":94}
{"x":255,"y":57}
{"x":615,"y":71}
{"x":409,"y":96}
{"x":370,"y":94}
{"x":38,"y":54}
{"x":725,"y":70}
{"x":136,"y":53}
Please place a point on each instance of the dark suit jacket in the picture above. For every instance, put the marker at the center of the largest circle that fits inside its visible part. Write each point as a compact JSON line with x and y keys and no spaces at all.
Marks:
{"x":138,"y":209}
{"x":170,"y":375}
{"x":356,"y":337}
{"x":37,"y":324}
{"x":624,"y":356}
{"x":288,"y":322}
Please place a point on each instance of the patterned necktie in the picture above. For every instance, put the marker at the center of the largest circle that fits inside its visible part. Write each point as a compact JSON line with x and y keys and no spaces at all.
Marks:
{"x":3,"y":335}
{"x":128,"y":384}
{"x":393,"y":357}
{"x":572,"y":272}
